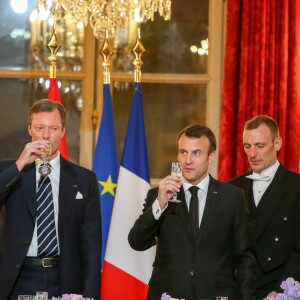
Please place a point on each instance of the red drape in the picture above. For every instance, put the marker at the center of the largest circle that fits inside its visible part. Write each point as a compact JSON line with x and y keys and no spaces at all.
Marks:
{"x":261,"y":76}
{"x":54,"y":94}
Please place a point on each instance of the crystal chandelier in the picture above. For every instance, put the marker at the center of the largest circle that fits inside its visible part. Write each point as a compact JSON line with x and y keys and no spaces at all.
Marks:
{"x":107,"y":15}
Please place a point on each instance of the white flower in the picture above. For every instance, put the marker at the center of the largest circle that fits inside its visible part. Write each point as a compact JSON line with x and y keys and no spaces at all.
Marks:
{"x":165,"y":296}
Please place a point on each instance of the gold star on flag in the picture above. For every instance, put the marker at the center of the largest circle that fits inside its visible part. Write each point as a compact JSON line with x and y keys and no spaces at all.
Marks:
{"x":108,"y":186}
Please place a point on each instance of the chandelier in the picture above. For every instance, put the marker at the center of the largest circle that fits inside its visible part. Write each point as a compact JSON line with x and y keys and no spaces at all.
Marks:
{"x":106,"y":15}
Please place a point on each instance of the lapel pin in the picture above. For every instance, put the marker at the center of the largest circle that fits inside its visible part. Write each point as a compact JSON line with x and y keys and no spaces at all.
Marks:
{"x":215,"y":192}
{"x":75,"y":185}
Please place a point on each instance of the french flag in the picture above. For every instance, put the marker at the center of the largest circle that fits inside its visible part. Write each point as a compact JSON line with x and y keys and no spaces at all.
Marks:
{"x":126,"y":272}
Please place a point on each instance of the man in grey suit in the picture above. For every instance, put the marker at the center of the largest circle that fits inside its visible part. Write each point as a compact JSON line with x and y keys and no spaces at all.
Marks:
{"x":273,"y":195}
{"x":204,"y":243}
{"x":30,"y":262}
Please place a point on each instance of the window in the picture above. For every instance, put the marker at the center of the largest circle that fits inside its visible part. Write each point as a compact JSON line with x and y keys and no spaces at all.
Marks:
{"x":181,"y":83}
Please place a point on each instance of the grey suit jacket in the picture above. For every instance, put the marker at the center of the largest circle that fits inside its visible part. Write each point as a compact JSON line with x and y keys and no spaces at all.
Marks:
{"x":79,"y":227}
{"x":276,"y":225}
{"x":220,"y":262}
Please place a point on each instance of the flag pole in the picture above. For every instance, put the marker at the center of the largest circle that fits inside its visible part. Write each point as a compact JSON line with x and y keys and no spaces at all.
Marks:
{"x":53,"y":46}
{"x":138,"y":50}
{"x":53,"y":91}
{"x":106,"y":52}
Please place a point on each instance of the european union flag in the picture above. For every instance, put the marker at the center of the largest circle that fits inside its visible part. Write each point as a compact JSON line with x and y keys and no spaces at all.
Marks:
{"x":106,"y":165}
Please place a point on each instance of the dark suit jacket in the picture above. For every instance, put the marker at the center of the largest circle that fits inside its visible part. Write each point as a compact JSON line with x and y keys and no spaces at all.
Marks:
{"x":276,"y":224}
{"x":220,"y":262}
{"x":79,"y":227}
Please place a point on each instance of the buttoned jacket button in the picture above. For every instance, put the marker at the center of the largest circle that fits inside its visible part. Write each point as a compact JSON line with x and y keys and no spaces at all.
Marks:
{"x":192,"y":273}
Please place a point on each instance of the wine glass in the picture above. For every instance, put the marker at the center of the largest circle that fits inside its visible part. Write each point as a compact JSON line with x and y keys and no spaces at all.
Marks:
{"x":176,"y":171}
{"x":45,"y":167}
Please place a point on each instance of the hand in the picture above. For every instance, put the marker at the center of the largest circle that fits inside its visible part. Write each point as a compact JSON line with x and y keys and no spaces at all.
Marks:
{"x":31,"y":152}
{"x":273,"y":293}
{"x":166,"y":188}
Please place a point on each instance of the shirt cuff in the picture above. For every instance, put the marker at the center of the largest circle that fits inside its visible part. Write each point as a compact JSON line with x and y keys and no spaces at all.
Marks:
{"x":156,"y":210}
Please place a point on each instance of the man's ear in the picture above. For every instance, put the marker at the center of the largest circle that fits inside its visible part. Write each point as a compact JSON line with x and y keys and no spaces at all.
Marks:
{"x":63,"y":133}
{"x":211,"y":157}
{"x":29,"y":130}
{"x":278,"y":143}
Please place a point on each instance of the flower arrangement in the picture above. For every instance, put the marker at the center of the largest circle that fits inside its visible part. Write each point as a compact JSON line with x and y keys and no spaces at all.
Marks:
{"x":71,"y":297}
{"x":291,"y":290}
{"x":165,"y":296}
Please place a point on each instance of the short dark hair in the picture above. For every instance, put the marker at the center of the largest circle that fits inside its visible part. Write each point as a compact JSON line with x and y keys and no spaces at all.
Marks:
{"x":47,"y":105}
{"x":255,"y":122}
{"x":197,"y":130}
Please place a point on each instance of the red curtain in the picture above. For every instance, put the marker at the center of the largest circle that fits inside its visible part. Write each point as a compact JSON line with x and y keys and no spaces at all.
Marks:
{"x":261,"y":76}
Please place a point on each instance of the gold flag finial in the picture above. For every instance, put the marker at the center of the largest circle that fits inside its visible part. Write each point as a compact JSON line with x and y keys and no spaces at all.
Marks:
{"x":138,"y":51}
{"x":53,"y":47}
{"x":106,"y":52}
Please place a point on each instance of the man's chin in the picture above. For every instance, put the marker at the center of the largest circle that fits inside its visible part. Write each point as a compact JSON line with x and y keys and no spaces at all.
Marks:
{"x":256,"y":169}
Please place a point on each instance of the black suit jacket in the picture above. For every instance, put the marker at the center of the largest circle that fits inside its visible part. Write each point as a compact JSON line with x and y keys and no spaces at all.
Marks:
{"x":220,"y":262}
{"x":276,"y":225}
{"x":79,"y":226}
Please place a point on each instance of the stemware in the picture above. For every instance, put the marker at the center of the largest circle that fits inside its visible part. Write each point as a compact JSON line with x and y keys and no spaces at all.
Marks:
{"x":175,"y":171}
{"x":45,"y":167}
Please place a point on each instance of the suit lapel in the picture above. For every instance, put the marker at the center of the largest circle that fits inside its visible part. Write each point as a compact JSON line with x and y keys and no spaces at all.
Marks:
{"x":212,"y":200}
{"x":68,"y":188}
{"x":269,"y":201}
{"x":29,"y":188}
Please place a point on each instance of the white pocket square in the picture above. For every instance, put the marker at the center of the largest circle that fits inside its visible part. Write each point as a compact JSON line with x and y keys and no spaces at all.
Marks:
{"x":79,"y":196}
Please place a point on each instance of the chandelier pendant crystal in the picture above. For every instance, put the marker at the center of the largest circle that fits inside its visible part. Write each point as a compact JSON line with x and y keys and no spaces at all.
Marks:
{"x":107,"y":15}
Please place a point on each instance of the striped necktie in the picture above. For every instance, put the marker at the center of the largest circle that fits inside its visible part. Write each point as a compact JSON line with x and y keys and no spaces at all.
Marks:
{"x":46,"y":231}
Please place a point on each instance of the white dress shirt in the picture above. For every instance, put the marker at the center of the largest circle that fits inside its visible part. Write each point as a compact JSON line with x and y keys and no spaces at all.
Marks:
{"x":202,"y":194}
{"x":54,"y":177}
{"x":260,"y":186}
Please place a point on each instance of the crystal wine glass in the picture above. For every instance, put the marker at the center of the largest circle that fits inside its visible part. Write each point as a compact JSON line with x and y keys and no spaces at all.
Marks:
{"x":176,"y":171}
{"x":45,"y":167}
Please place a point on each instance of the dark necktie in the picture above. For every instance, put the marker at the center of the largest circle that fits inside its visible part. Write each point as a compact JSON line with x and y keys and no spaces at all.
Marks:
{"x":46,"y":231}
{"x":194,"y":210}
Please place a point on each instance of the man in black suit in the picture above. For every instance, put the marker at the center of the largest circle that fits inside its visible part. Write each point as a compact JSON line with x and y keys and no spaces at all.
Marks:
{"x":204,"y":243}
{"x":70,"y":261}
{"x":273,"y":195}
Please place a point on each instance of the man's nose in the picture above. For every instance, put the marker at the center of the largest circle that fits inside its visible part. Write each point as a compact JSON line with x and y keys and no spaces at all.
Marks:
{"x":253,"y":151}
{"x":46,"y":134}
{"x":188,"y":159}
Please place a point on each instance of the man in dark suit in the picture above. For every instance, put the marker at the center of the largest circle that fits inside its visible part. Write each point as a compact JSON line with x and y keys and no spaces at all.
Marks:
{"x":72,"y":264}
{"x":273,"y":195}
{"x":204,"y":243}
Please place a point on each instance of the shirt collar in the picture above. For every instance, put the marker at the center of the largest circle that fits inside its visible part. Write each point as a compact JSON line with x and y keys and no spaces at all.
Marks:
{"x":270,"y":171}
{"x":202,"y":185}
